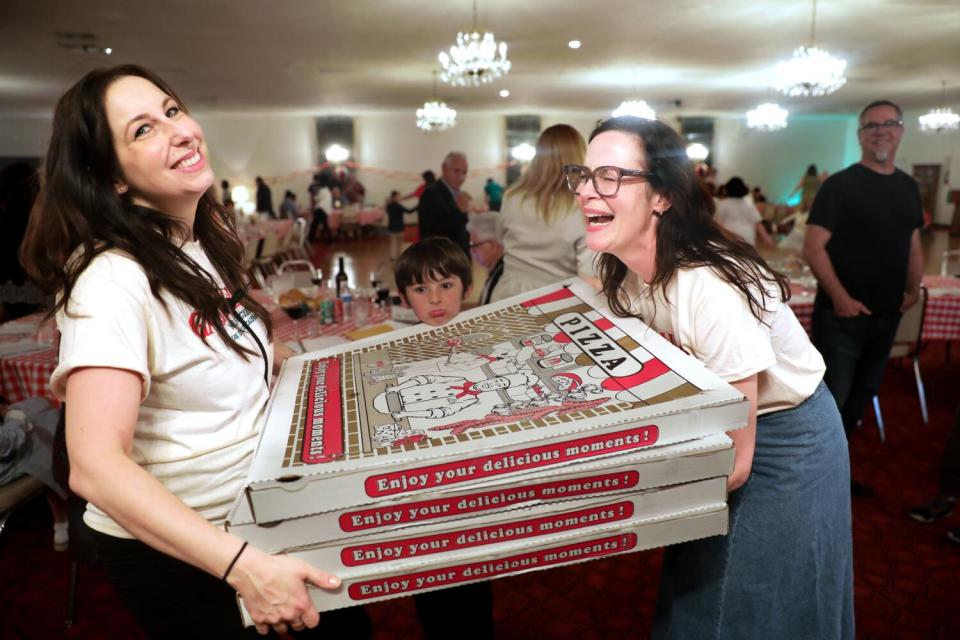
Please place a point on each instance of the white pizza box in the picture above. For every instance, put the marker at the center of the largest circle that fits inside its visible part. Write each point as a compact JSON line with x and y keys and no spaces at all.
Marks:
{"x":654,"y":532}
{"x":545,"y":379}
{"x":705,"y":457}
{"x":538,"y":524}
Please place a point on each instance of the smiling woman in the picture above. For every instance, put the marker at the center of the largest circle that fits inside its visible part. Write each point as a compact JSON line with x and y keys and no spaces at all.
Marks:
{"x":665,"y":260}
{"x":162,"y":360}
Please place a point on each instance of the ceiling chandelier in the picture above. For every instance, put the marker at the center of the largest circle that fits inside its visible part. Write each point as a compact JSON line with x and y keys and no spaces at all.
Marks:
{"x":477,"y":58}
{"x":768,"y":116}
{"x":435,"y":115}
{"x":636,"y":108}
{"x":811,"y":71}
{"x":942,"y":119}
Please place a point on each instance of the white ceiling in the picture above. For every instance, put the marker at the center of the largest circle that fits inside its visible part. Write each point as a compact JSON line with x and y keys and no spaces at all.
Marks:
{"x":350,"y":56}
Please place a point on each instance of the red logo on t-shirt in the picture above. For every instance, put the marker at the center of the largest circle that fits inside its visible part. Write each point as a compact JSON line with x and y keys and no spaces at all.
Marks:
{"x":199,"y":327}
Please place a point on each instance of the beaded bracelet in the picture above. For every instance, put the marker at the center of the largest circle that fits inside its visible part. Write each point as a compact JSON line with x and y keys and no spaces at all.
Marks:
{"x":233,"y":562}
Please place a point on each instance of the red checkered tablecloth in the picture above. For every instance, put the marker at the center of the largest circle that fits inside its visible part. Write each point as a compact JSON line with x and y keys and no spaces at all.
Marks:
{"x":27,"y":375}
{"x":941,"y":321}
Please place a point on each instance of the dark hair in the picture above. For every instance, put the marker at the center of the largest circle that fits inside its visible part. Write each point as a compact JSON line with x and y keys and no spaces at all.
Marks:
{"x":736,"y":187}
{"x":429,"y":176}
{"x":80,"y":211}
{"x":880,"y":103}
{"x":687,"y":234}
{"x":432,"y":258}
{"x":812,"y":170}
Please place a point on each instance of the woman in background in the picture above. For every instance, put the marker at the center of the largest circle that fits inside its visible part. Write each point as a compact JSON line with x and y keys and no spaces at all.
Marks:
{"x":736,"y":214}
{"x":542,"y":233}
{"x":164,"y":363}
{"x":808,"y":186}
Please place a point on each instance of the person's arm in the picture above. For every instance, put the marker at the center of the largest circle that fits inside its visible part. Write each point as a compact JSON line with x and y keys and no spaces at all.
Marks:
{"x":763,"y":237}
{"x":911,"y":292}
{"x":280,"y":353}
{"x":102,"y":407}
{"x":744,"y":439}
{"x":815,"y":252}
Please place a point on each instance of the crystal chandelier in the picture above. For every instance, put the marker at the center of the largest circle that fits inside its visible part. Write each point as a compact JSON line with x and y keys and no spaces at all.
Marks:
{"x":435,"y":115}
{"x":767,"y":117}
{"x":477,"y":58}
{"x":811,"y":71}
{"x":636,"y":108}
{"x":942,"y":119}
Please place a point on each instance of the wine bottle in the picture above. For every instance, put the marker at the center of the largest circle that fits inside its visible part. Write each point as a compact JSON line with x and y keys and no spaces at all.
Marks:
{"x":341,"y":278}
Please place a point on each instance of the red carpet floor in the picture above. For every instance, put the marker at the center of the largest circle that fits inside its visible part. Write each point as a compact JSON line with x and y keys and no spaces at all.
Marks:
{"x":907,"y":574}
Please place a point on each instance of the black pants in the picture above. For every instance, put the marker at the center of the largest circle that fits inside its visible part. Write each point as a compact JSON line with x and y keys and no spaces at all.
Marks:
{"x":172,"y":599}
{"x":855,"y":351}
{"x":319,"y":220}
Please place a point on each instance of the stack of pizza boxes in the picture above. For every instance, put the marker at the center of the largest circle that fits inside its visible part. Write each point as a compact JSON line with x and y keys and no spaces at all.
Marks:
{"x":529,"y":434}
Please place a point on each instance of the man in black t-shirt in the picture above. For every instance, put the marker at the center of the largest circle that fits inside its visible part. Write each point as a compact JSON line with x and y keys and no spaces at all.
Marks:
{"x":863,"y":244}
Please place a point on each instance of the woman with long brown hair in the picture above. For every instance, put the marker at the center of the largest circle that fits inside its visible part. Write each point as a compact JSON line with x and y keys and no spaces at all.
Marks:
{"x":164,"y":359}
{"x":785,"y":568}
{"x":541,"y":233}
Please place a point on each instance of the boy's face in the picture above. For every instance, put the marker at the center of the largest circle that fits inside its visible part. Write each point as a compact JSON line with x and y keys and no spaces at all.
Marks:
{"x":436,"y":302}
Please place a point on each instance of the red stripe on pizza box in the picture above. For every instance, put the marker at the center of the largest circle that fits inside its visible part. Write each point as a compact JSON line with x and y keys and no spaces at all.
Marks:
{"x":473,"y":469}
{"x":420,"y":546}
{"x":323,"y":436}
{"x":553,"y":296}
{"x":469,"y":572}
{"x":494,"y":500}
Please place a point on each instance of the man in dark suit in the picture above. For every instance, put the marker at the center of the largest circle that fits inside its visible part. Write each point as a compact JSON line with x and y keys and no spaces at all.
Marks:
{"x":442,"y":209}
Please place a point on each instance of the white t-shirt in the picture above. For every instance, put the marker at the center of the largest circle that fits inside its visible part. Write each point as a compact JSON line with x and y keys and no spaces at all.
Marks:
{"x":739,"y":216}
{"x":201,"y":407}
{"x":711,"y":320}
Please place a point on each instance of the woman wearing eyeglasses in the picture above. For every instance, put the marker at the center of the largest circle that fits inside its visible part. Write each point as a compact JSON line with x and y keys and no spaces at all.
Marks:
{"x":785,"y":568}
{"x":541,"y":233}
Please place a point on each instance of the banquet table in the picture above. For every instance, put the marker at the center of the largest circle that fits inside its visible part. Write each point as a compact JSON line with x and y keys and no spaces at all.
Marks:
{"x":262,"y":228}
{"x":941,"y":321}
{"x":363,"y":217}
{"x":27,"y":375}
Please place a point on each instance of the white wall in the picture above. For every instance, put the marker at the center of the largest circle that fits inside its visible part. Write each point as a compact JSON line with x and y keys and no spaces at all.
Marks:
{"x":284,"y":148}
{"x":775,"y":160}
{"x":924,"y":148}
{"x":279,"y":148}
{"x":22,"y":137}
{"x":398,"y":152}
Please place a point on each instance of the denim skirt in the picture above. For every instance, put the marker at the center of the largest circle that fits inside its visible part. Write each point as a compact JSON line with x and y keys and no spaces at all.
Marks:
{"x":785,"y":569}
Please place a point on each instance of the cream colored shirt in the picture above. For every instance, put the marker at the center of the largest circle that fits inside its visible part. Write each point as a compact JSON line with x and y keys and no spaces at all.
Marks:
{"x":201,"y":407}
{"x":711,"y":320}
{"x":537,"y":254}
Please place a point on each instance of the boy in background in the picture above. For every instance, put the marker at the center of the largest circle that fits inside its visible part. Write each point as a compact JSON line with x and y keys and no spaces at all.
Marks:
{"x":434,"y":277}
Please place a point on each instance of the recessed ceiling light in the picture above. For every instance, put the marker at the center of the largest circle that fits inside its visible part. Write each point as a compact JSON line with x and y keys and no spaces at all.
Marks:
{"x":574,"y":44}
{"x":108,"y":51}
{"x":504,"y":93}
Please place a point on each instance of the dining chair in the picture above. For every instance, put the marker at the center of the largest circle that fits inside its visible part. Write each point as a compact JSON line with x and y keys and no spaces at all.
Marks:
{"x":16,"y":494}
{"x":950,"y":263}
{"x":907,"y":344}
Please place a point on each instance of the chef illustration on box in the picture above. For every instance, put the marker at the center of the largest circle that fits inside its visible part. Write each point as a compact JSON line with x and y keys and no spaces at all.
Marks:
{"x":430,"y":396}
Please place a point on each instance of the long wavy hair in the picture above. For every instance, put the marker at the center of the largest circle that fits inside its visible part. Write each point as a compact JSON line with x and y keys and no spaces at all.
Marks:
{"x":80,"y":209}
{"x":543,"y":180}
{"x":687,"y":234}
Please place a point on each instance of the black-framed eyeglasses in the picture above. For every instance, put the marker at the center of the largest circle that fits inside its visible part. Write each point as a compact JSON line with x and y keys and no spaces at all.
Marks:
{"x":606,"y":180}
{"x":876,"y":126}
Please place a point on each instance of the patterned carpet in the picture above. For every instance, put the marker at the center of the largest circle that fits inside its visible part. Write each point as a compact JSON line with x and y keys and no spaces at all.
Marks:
{"x":907,"y":574}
